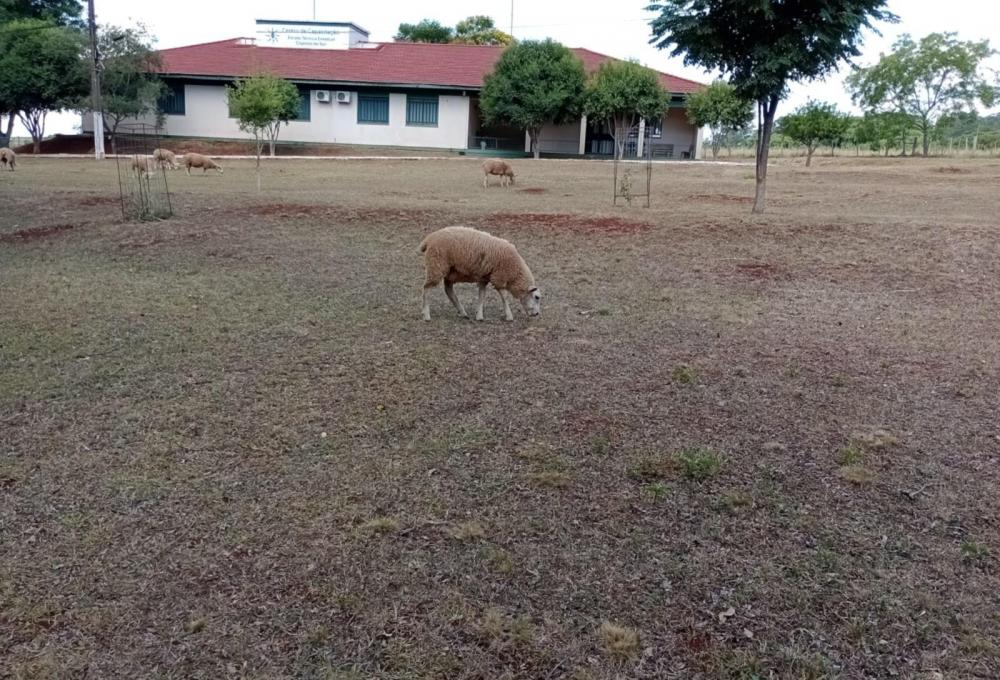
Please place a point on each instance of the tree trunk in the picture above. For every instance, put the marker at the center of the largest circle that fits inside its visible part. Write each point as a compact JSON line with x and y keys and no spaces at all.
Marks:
{"x":271,"y":143}
{"x":36,"y":145}
{"x":533,"y":134}
{"x":5,"y":136}
{"x":765,"y":127}
{"x":809,"y":155}
{"x":715,"y":150}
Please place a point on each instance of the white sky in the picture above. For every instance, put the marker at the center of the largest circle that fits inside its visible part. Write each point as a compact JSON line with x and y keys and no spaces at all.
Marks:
{"x":604,"y":26}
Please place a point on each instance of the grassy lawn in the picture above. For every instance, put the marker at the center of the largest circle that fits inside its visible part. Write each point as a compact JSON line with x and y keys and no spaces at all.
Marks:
{"x":729,"y":447}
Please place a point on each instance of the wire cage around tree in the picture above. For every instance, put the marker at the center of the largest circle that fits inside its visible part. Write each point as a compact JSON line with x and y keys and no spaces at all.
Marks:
{"x":636,"y":145}
{"x":142,"y":181}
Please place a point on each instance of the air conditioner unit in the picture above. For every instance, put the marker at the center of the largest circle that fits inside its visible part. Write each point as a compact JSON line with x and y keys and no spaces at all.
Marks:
{"x":323,"y":96}
{"x":343,"y":97}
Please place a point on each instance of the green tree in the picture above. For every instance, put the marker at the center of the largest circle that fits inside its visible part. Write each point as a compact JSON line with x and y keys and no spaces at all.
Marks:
{"x":623,"y":93}
{"x":62,"y":12}
{"x":480,"y":30}
{"x":42,"y":68}
{"x":130,"y":86}
{"x":261,"y":104}
{"x":533,"y":83}
{"x":427,"y":31}
{"x":814,"y":124}
{"x":880,"y":132}
{"x":763,"y":45}
{"x":926,"y":78}
{"x":719,"y":108}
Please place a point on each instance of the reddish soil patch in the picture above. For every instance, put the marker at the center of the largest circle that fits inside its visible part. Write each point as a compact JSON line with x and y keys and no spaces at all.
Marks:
{"x":98,"y":200}
{"x":35,"y":233}
{"x":760,"y":270}
{"x":721,"y":198}
{"x":532,"y":190}
{"x":565,"y":221}
{"x":342,"y":215}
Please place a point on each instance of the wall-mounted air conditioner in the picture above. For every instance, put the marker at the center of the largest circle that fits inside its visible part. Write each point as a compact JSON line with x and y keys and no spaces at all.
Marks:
{"x":323,"y":96}
{"x":343,"y":97}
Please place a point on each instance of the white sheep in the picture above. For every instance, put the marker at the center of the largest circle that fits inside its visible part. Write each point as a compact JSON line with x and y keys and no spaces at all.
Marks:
{"x":143,"y":165}
{"x":498,"y":167}
{"x":8,"y":158}
{"x":464,"y":255}
{"x":165,"y":158}
{"x":196,"y":160}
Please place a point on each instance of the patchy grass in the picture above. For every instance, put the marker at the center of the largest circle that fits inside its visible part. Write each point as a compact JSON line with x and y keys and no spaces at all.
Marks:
{"x":698,"y":464}
{"x":684,"y":375}
{"x":618,"y":642}
{"x":168,"y":499}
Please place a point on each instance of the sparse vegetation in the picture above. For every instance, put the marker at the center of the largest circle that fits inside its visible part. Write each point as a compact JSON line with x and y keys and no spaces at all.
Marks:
{"x":467,"y":531}
{"x":974,"y":552}
{"x":685,"y":375}
{"x":699,"y":464}
{"x":618,"y":642}
{"x":379,"y":525}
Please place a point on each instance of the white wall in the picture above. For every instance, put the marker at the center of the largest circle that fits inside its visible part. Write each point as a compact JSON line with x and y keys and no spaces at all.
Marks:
{"x":206,"y":114}
{"x":557,"y":139}
{"x":677,"y":130}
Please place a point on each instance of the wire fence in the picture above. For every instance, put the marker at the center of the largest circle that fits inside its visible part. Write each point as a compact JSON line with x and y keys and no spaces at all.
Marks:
{"x":142,"y":181}
{"x":636,"y":145}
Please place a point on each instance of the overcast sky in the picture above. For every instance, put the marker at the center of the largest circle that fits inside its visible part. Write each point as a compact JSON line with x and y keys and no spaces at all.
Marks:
{"x":608,"y":27}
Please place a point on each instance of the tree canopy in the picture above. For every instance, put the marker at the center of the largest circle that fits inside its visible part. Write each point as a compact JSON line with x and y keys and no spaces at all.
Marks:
{"x":622,"y":93}
{"x":42,"y":69}
{"x":261,"y":104}
{"x":813,"y":124}
{"x":62,"y":12}
{"x":533,"y":83}
{"x":719,"y":108}
{"x":763,"y":45}
{"x":925,"y":79}
{"x":130,"y":86}
{"x":883,"y":131}
{"x":478,"y":29}
{"x":427,"y":31}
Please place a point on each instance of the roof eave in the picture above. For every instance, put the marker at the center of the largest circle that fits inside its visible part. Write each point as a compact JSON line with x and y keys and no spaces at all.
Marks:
{"x":332,"y":83}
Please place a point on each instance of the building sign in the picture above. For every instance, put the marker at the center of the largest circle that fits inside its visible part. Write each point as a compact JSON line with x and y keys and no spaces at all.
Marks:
{"x":317,"y":35}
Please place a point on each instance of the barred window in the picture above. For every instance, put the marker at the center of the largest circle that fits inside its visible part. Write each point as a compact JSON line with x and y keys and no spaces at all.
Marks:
{"x":373,"y":109}
{"x":422,"y":111}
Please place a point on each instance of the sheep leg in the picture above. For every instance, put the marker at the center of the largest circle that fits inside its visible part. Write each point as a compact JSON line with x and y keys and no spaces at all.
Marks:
{"x":427,"y":302}
{"x":482,"y":299}
{"x":507,"y":314}
{"x":449,"y":290}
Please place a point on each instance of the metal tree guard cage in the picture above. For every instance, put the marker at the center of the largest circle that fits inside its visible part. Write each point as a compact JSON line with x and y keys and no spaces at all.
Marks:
{"x":636,"y":145}
{"x":142,"y":182}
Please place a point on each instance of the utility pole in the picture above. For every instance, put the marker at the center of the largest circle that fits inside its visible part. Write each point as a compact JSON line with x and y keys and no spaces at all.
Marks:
{"x":95,"y":84}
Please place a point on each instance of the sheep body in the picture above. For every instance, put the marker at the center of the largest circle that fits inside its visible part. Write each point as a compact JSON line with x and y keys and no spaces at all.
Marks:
{"x":465,"y":255}
{"x":197,"y":160}
{"x":143,"y":165}
{"x":497,"y":167}
{"x":8,"y":158}
{"x":165,"y":158}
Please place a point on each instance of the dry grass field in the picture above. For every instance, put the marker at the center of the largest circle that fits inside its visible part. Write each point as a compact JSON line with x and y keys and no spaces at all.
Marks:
{"x":728,"y":448}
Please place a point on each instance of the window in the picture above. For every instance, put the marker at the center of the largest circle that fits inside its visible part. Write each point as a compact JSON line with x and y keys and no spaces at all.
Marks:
{"x":373,"y":109}
{"x":655,"y":127}
{"x":172,"y":100}
{"x":422,"y":111}
{"x":305,"y":105}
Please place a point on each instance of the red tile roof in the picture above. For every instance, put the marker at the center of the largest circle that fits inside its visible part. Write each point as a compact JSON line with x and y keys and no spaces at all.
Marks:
{"x":399,"y":63}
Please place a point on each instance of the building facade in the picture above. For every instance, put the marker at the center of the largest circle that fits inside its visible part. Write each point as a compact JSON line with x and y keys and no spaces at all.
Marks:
{"x":381,"y":94}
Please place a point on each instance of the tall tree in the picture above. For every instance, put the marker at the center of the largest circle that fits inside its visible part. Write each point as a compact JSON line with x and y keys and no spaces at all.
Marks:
{"x":721,"y":109}
{"x":926,"y":78}
{"x":427,"y":31}
{"x":42,"y":69}
{"x":883,"y":131}
{"x":130,"y":86}
{"x":534,"y":83}
{"x":62,"y":12}
{"x":813,"y":124}
{"x":480,"y":30}
{"x":623,"y":93}
{"x":261,"y":104}
{"x":763,"y":45}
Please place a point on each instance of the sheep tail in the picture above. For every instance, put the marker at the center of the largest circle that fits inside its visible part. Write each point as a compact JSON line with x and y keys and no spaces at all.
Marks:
{"x":423,"y":246}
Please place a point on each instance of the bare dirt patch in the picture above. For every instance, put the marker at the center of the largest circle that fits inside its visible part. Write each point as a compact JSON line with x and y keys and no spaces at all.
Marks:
{"x":36,"y":233}
{"x":533,"y":190}
{"x":761,"y":270}
{"x":341,"y":215}
{"x":87,"y":201}
{"x":952,"y":170}
{"x":563,"y":221}
{"x":721,"y":198}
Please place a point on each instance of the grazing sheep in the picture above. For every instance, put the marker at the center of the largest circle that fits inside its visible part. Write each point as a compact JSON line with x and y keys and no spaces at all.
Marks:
{"x":196,"y":160}
{"x":143,"y":165}
{"x":8,"y":158}
{"x":165,"y":158}
{"x":464,"y":255}
{"x":498,"y":167}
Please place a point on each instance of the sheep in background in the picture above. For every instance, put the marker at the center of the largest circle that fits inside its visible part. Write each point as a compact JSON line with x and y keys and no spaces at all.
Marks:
{"x":8,"y":158}
{"x":165,"y":158}
{"x":143,"y":165}
{"x":464,"y":255}
{"x":498,"y":167}
{"x":196,"y":160}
